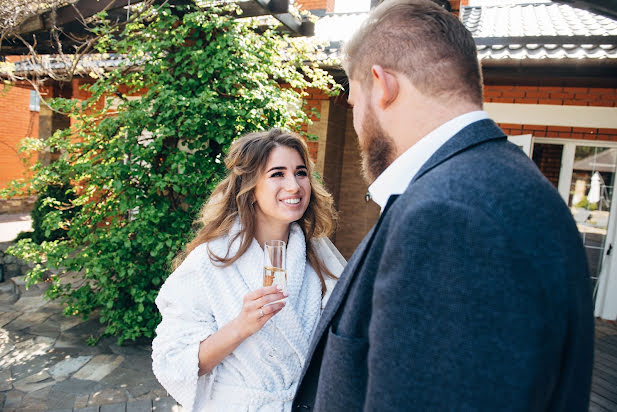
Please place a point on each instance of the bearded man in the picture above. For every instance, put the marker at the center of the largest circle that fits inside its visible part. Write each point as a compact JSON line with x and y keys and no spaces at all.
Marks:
{"x":471,"y":292}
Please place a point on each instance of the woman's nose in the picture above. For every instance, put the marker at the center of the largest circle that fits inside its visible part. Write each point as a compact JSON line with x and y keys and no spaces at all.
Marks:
{"x":291,"y":184}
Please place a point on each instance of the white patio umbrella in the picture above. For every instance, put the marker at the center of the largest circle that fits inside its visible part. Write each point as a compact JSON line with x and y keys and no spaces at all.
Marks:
{"x":594,"y":190}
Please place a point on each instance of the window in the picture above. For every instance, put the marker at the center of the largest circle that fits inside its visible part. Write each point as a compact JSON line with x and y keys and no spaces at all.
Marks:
{"x":35,"y":101}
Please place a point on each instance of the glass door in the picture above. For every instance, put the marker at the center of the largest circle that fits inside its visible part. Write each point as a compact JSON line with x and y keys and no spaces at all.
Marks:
{"x":584,"y":174}
{"x":591,"y":192}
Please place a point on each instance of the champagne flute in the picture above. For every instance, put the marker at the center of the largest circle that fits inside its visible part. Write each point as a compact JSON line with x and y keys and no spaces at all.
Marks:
{"x":274,"y":264}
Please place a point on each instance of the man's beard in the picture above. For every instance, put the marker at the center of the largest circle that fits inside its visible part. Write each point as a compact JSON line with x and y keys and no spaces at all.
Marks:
{"x":377,"y":149}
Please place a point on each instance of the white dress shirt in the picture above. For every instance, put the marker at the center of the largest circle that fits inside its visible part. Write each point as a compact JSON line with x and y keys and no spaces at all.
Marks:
{"x":395,"y":179}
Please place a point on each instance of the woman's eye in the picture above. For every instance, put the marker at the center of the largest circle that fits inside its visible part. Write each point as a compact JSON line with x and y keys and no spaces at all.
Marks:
{"x":301,"y":173}
{"x":277,"y":174}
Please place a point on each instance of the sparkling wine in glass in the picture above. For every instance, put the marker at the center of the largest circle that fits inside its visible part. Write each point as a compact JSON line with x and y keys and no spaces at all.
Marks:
{"x":274,"y":264}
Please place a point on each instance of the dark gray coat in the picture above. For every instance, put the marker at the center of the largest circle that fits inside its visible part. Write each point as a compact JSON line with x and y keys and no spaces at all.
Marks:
{"x":470,"y":293}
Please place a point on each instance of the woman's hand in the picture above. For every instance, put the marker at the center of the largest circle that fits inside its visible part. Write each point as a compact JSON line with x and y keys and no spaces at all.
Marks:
{"x":257,"y":309}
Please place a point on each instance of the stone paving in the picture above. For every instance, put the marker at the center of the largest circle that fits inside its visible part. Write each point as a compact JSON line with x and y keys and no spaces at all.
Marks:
{"x":46,"y":365}
{"x":12,"y":224}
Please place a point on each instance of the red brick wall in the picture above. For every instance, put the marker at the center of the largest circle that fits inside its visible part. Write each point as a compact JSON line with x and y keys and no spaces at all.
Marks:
{"x":327,"y":5}
{"x":455,"y":5}
{"x":573,"y":96}
{"x":585,"y":133}
{"x":313,"y":101}
{"x":548,"y":159}
{"x":568,"y":96}
{"x":356,"y":215}
{"x":16,"y":123}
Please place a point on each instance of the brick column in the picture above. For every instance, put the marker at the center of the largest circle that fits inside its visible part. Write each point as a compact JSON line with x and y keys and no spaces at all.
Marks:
{"x":456,"y":5}
{"x":50,"y":121}
{"x":321,"y":5}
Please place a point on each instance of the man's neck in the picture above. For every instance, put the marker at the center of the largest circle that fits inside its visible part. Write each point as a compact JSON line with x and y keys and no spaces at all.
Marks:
{"x":415,"y":115}
{"x":424,"y":121}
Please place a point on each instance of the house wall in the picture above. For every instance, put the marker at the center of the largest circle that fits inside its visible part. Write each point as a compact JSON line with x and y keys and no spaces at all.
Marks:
{"x":327,"y":5}
{"x":317,"y":107}
{"x":356,"y":215}
{"x":17,"y":122}
{"x":568,"y":96}
{"x":348,"y":187}
{"x":337,"y":159}
{"x":455,"y":5}
{"x":558,"y":96}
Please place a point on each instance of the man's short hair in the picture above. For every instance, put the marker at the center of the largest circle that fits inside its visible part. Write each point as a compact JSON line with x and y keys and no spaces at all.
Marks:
{"x":420,"y":39}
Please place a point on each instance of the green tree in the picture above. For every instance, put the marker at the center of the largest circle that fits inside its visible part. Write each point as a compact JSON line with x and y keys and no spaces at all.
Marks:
{"x":141,"y":168}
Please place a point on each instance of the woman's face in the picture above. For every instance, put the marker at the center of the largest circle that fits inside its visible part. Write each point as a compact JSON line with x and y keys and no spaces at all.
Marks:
{"x":283,"y":190}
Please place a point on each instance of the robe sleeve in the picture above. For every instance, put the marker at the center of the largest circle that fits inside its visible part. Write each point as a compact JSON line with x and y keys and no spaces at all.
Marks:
{"x":187,"y":321}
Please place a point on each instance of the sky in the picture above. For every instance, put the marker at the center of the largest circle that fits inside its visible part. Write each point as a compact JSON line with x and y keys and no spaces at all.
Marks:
{"x":346,"y":6}
{"x":502,"y":2}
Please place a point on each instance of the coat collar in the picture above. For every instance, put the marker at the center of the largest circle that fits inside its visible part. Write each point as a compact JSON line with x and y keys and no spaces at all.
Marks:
{"x":339,"y":293}
{"x":471,"y":135}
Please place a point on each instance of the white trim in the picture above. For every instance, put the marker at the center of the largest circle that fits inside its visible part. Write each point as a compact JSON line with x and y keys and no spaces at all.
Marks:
{"x":565,"y":173}
{"x":523,"y":141}
{"x":553,"y":115}
{"x":606,"y":303}
{"x":578,"y":142}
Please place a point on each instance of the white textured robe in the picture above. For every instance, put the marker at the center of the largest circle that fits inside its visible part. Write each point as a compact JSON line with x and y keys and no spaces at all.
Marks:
{"x":198,"y":298}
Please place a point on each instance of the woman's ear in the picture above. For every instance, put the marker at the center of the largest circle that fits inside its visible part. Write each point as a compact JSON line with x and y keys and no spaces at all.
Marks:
{"x":385,"y":86}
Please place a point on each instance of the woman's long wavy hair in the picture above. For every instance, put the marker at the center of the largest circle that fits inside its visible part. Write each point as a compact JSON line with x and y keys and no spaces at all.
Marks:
{"x":233,"y":198}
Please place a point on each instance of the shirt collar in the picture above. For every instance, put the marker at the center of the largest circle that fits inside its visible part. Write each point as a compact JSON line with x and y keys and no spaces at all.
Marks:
{"x":395,"y":179}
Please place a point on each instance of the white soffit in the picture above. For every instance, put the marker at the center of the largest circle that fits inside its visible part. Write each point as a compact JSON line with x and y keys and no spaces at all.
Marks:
{"x":553,"y":115}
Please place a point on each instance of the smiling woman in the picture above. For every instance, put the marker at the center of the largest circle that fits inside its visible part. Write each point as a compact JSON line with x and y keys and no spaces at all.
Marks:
{"x":281,"y":194}
{"x":225,"y":341}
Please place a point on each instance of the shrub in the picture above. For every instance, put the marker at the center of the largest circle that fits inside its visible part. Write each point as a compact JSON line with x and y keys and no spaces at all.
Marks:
{"x":141,"y":168}
{"x":52,"y":208}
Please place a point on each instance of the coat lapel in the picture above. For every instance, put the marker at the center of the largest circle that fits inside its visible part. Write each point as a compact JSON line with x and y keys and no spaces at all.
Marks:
{"x":342,"y":286}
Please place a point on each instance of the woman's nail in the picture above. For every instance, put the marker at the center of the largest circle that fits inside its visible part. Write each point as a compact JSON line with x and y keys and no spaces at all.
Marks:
{"x":285,"y":294}
{"x":279,"y":287}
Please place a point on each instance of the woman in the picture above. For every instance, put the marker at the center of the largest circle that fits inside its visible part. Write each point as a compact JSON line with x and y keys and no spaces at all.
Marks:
{"x":225,"y":342}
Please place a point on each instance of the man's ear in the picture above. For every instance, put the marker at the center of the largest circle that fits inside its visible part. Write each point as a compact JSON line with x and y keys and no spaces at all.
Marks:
{"x":385,"y":86}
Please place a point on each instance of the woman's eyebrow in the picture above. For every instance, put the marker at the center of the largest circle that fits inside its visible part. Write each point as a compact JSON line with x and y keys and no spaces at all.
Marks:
{"x":284,"y":168}
{"x":276,"y":168}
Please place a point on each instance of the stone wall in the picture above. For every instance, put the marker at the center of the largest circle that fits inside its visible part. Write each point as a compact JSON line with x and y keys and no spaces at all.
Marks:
{"x":10,"y":266}
{"x":17,"y":205}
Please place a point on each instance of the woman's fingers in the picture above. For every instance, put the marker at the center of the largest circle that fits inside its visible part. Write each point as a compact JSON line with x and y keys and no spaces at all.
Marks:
{"x":258,"y":293}
{"x":274,"y":307}
{"x":270,"y":311}
{"x":264,"y":300}
{"x":258,"y":307}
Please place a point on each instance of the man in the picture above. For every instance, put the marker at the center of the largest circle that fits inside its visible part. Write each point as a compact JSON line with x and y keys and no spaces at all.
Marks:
{"x":471,"y":292}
